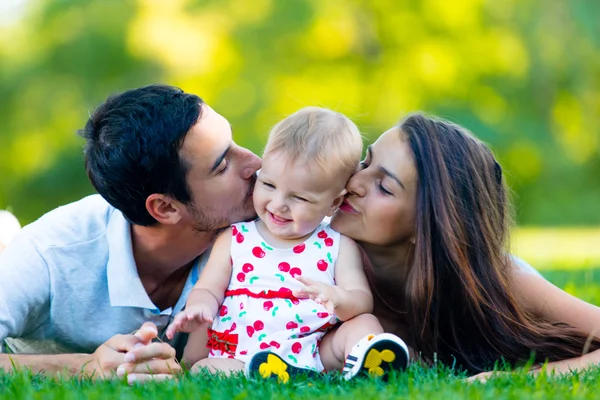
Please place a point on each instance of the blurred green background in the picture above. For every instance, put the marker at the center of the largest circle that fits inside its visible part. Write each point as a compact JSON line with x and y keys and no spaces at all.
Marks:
{"x":523,"y":75}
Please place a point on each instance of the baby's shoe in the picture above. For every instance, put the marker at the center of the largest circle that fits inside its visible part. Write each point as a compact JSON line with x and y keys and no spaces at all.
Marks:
{"x":376,"y":355}
{"x":269,"y":365}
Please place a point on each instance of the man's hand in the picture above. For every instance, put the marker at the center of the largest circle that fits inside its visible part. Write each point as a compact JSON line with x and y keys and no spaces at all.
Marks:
{"x":134,"y":355}
{"x":322,"y":293}
{"x":190,"y":320}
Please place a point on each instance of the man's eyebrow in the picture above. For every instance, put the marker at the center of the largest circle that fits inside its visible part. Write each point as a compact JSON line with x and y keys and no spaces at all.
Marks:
{"x":385,"y":171}
{"x":220,"y":159}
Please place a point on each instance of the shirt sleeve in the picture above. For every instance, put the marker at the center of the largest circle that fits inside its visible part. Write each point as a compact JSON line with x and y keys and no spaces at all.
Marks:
{"x":24,"y":288}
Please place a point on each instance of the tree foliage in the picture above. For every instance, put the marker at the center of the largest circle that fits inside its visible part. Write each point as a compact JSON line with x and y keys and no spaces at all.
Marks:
{"x":521,"y":74}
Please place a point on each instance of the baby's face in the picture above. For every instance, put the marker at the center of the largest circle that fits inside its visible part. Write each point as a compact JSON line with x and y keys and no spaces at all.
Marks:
{"x":292,"y":198}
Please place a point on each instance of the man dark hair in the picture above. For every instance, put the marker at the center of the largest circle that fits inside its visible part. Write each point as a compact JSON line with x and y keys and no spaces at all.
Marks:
{"x":133,"y":147}
{"x":75,"y":283}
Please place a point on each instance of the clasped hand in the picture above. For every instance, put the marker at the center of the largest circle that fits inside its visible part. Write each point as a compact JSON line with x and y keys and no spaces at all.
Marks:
{"x":134,"y":355}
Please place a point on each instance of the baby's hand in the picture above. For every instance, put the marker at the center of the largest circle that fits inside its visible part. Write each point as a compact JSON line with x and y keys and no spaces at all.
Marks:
{"x":190,"y":319}
{"x":322,"y":293}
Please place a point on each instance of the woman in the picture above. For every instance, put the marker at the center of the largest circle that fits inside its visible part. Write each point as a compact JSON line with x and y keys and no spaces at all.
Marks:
{"x":429,"y":208}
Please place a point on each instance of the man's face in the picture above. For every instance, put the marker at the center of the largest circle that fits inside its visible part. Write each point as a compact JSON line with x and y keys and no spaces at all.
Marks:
{"x":221,"y":175}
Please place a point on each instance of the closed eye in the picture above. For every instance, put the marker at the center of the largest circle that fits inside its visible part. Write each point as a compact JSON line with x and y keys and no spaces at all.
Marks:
{"x":383,"y":190}
{"x":269,"y":185}
{"x":301,"y":199}
{"x":222,"y":170}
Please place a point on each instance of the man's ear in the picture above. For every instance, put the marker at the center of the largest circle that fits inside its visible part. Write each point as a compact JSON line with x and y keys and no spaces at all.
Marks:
{"x":164,"y":209}
{"x":336,"y":202}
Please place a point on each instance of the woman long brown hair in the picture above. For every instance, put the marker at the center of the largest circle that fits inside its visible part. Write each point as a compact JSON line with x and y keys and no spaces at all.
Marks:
{"x":458,"y":296}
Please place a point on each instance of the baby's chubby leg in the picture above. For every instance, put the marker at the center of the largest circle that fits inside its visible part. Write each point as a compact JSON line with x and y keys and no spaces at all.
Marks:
{"x":336,"y":345}
{"x":225,"y":365}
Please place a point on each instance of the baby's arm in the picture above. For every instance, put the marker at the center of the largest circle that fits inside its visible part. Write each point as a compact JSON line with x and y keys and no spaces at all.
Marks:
{"x":351,"y":295}
{"x":355,"y":297}
{"x":207,"y":295}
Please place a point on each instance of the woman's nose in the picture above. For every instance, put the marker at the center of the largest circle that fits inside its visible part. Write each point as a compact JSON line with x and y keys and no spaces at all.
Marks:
{"x":356,"y":184}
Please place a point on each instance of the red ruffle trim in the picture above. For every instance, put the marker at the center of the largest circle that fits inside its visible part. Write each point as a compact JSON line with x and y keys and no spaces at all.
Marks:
{"x":282,"y":293}
{"x":224,"y":341}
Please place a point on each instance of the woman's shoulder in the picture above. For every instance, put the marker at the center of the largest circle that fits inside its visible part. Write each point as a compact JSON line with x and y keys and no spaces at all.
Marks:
{"x":518,"y":266}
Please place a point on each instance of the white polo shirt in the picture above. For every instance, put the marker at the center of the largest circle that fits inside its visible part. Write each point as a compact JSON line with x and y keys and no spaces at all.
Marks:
{"x":68,"y":282}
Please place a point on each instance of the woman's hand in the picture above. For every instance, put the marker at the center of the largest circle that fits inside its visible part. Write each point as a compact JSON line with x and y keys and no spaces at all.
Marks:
{"x":484,"y":376}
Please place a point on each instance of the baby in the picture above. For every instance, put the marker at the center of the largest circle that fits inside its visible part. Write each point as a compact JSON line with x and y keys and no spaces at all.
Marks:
{"x":272,"y":287}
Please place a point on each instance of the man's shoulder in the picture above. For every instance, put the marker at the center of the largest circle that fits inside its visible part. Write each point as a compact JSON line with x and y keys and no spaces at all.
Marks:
{"x":81,"y":221}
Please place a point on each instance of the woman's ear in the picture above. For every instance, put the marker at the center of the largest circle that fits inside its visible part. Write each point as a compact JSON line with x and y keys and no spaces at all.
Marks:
{"x":336,"y":202}
{"x":163,"y":209}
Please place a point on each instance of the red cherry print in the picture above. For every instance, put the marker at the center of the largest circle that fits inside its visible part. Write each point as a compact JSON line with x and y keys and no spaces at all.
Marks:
{"x":296,"y":348}
{"x":291,"y":325}
{"x":258,"y":325}
{"x":299,"y":249}
{"x":250,"y":330}
{"x":223,"y":311}
{"x":241,"y":306}
{"x":247,"y":267}
{"x":258,"y":252}
{"x":267,"y":305}
{"x":322,"y":314}
{"x":284,"y":267}
{"x":304,"y":329}
{"x":295,"y":301}
{"x":234,"y":230}
{"x":322,"y":235}
{"x":295,"y":271}
{"x":241,"y":277}
{"x":329,"y":242}
{"x":233,"y":326}
{"x":322,"y":265}
{"x":264,"y":345}
{"x":275,"y":344}
{"x":243,"y":352}
{"x":239,"y":237}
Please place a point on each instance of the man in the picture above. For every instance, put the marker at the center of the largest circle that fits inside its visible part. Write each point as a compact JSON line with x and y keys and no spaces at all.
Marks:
{"x":9,"y":227}
{"x":80,"y":279}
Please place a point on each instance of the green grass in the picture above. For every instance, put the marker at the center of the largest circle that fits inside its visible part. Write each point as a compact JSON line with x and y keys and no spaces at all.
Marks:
{"x":416,"y":383}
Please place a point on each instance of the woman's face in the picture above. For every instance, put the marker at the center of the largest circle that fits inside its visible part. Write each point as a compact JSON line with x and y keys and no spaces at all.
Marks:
{"x":380,"y":206}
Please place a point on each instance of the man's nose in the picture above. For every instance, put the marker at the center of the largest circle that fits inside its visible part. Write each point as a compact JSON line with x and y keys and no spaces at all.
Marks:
{"x":252,"y":164}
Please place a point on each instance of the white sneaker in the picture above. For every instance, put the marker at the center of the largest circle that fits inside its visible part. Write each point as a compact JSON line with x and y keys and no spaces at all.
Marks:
{"x":376,"y":355}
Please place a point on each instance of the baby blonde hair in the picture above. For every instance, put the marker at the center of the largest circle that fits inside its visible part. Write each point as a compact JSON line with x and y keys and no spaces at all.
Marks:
{"x":325,"y":137}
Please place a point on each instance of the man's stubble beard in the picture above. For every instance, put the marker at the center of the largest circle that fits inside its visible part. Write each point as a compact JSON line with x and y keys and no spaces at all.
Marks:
{"x":205,"y":222}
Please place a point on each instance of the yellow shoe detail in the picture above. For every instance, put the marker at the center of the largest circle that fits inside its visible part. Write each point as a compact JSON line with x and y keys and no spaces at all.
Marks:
{"x":274,"y":366}
{"x":388,"y":356}
{"x":375,"y":358}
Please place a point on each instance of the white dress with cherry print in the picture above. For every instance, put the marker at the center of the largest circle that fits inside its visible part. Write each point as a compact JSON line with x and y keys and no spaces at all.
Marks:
{"x":259,"y":311}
